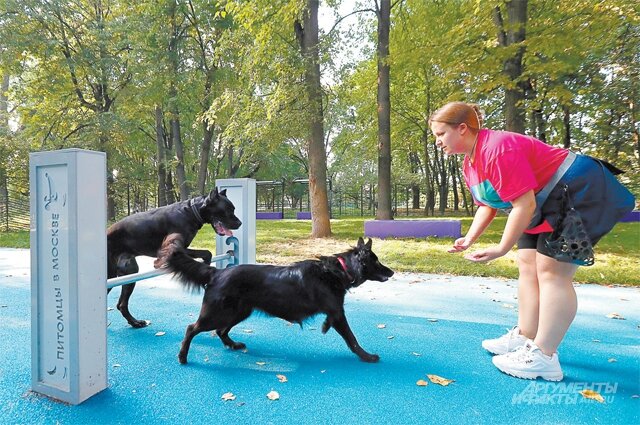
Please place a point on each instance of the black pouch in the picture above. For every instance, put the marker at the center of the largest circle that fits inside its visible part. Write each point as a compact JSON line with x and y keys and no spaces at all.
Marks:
{"x":570,"y":242}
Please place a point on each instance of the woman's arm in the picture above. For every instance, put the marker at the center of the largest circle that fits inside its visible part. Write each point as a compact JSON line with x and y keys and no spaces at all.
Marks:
{"x":517,"y":222}
{"x":484,"y":216}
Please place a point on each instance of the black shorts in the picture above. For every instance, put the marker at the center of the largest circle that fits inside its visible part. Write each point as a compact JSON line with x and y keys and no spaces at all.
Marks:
{"x":535,"y":241}
{"x":596,"y":195}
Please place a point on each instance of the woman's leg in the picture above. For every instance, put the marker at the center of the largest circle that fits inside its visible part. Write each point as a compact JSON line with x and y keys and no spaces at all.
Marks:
{"x":558,"y":302}
{"x":528,"y":293}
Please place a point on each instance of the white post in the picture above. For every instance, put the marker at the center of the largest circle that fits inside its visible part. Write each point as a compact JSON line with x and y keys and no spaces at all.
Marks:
{"x":68,"y":274}
{"x":242,"y":192}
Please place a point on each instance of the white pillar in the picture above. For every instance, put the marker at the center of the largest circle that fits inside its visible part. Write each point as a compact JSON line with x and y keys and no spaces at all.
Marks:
{"x":68,"y":274}
{"x":242,"y":192}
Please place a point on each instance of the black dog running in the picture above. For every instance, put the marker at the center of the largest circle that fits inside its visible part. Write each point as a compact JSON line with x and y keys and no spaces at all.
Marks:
{"x":293,"y":293}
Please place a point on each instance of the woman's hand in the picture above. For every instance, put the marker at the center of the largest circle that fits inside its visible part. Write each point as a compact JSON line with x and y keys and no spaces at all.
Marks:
{"x":461,"y":244}
{"x":485,"y":255}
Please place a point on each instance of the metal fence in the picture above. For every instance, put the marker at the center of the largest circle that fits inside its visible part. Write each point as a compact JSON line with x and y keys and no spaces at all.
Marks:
{"x":14,"y":206}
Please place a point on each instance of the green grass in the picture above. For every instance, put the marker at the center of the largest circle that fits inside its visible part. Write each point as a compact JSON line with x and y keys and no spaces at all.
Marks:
{"x":285,"y":241}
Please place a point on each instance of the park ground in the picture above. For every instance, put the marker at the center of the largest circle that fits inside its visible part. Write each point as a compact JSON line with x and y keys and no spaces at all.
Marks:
{"x":420,"y":324}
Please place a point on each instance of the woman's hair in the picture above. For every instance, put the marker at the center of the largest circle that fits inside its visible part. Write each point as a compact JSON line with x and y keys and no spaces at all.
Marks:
{"x":455,"y":113}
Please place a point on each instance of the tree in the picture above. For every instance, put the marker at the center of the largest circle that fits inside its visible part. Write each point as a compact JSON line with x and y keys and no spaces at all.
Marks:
{"x":384,"y":112}
{"x":307,"y":35}
{"x":512,"y":33}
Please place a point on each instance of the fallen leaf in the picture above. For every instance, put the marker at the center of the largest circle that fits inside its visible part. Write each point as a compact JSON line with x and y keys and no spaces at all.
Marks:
{"x":282,"y":378}
{"x":273,"y":395}
{"x":422,"y":383}
{"x":624,"y":299}
{"x":247,"y":331}
{"x":160,"y":333}
{"x":635,"y":396}
{"x":432,"y":320}
{"x":416,"y":354}
{"x":382,"y":326}
{"x":592,"y":395}
{"x":261,"y":363}
{"x":206,"y":359}
{"x":228,"y":397}
{"x":440,"y":380}
{"x":323,"y":371}
{"x":615,"y":316}
{"x":507,"y":305}
{"x":612,"y":360}
{"x":390,"y":337}
{"x":109,"y":308}
{"x":595,"y":340}
{"x":116,"y":365}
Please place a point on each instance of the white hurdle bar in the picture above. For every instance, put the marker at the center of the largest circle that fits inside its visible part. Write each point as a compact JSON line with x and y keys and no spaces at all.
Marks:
{"x":135,"y":277}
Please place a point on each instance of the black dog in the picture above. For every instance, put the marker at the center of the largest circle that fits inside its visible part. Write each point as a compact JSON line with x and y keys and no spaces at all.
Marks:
{"x":143,"y":234}
{"x":293,"y":293}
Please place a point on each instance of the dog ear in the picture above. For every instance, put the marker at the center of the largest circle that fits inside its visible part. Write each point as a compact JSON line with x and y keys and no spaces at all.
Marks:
{"x":223,"y":192}
{"x":213,"y":195}
{"x":360,"y":243}
{"x":368,"y":245}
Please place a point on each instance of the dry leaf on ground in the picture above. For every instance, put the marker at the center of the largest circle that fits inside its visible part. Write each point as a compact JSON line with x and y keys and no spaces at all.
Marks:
{"x":440,"y":380}
{"x":592,"y":395}
{"x":160,"y":333}
{"x":382,"y":326}
{"x":261,"y":363}
{"x":615,"y":316}
{"x":228,"y":397}
{"x":273,"y":395}
{"x":422,"y":383}
{"x":282,"y":378}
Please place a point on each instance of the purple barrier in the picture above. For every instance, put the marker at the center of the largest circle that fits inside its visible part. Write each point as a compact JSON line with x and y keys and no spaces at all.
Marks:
{"x":413,"y":228}
{"x":275,"y":215}
{"x":631,"y":217}
{"x":303,"y":215}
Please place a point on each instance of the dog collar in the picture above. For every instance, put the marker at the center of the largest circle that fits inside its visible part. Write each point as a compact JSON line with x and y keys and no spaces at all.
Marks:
{"x":192,"y":204}
{"x":344,"y":267}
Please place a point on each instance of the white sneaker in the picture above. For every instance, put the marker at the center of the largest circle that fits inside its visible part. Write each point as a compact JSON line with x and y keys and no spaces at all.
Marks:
{"x":506,"y":343}
{"x":528,"y":362}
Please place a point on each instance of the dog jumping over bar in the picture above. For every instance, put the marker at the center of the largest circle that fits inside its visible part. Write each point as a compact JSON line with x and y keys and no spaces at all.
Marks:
{"x":143,"y":234}
{"x":293,"y":293}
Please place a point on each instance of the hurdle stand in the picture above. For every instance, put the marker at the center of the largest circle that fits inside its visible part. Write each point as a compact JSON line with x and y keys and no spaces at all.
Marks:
{"x":69,"y":268}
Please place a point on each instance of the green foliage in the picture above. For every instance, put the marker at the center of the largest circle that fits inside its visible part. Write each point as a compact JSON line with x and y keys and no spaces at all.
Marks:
{"x":89,"y":76}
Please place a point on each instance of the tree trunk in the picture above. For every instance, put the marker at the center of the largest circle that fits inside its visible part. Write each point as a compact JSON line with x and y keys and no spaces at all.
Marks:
{"x":162,"y":157}
{"x":205,"y":154}
{"x":384,"y":113}
{"x":307,"y":35}
{"x":566,"y":121}
{"x":428,"y":208}
{"x":4,"y":106}
{"x":510,"y":33}
{"x":174,"y":109}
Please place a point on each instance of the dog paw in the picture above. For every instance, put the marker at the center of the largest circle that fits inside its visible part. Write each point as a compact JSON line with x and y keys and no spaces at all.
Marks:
{"x":139,"y":323}
{"x":182,"y":359}
{"x":238,"y":346}
{"x":370,"y":358}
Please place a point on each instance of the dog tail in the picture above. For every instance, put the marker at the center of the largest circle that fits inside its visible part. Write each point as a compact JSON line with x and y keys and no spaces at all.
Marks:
{"x":192,"y":274}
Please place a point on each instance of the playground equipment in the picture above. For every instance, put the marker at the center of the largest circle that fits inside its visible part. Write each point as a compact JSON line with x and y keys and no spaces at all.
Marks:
{"x":69,"y":268}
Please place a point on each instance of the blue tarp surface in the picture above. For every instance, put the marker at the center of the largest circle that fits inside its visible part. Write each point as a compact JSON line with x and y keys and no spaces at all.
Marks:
{"x":419,"y":324}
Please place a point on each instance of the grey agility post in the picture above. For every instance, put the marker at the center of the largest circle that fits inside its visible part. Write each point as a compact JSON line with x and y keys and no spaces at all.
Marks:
{"x":68,"y":274}
{"x":242,"y":192}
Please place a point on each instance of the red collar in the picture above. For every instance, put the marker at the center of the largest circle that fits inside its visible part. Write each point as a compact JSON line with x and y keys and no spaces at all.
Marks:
{"x":344,"y":267}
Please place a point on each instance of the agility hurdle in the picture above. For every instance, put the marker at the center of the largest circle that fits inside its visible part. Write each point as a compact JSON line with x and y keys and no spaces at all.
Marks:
{"x":69,"y":268}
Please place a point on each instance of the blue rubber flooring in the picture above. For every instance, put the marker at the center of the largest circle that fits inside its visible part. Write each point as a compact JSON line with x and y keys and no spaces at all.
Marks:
{"x":418,"y":324}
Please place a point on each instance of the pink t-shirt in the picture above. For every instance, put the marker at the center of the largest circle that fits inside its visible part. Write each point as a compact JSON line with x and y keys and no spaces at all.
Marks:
{"x":507,"y":165}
